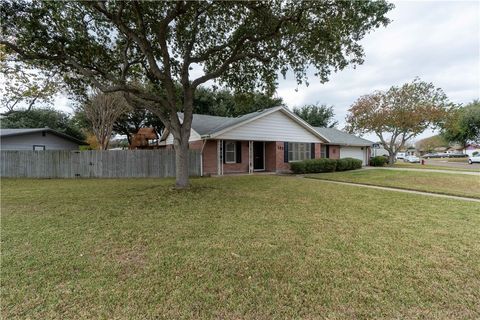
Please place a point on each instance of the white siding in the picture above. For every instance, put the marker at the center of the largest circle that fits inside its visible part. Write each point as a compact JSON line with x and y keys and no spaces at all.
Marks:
{"x":273,"y":127}
{"x":27,"y":141}
{"x":194,"y":136}
{"x":354,"y":152}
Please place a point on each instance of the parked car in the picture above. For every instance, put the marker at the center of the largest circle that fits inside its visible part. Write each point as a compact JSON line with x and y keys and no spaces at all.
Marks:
{"x":474,"y":158}
{"x":457,"y":155}
{"x":412,"y":159}
{"x":400,"y":155}
{"x":435,"y":155}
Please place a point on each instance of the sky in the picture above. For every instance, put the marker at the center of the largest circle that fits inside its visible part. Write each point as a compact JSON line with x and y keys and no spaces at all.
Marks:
{"x":438,"y":41}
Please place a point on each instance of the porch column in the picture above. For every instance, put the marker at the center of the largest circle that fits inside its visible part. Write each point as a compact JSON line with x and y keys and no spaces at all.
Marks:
{"x":250,"y":156}
{"x":220,"y":157}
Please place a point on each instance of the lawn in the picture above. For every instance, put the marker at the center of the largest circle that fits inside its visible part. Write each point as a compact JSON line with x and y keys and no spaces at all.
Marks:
{"x":444,"y":183}
{"x":256,"y":247}
{"x":472,"y":168}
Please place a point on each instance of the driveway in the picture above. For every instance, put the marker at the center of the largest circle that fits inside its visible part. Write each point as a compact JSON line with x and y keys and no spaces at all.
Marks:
{"x":472,"y":173}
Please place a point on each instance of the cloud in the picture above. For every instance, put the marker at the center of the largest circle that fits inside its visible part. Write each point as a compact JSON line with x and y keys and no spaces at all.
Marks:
{"x":436,"y":41}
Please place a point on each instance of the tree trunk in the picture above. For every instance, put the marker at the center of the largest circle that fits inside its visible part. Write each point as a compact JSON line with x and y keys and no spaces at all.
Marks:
{"x":181,"y":163}
{"x":391,"y":158}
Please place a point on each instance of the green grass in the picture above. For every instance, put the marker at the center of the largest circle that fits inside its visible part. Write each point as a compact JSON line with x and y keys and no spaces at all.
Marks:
{"x":474,"y":168}
{"x":436,"y":182}
{"x":256,"y":247}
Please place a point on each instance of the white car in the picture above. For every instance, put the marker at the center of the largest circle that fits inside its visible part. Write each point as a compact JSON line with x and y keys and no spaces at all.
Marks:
{"x":400,"y":155}
{"x":412,"y":159}
{"x":475,"y":158}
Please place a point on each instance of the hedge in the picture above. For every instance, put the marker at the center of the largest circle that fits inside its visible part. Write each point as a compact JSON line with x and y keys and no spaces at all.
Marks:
{"x":378,"y":161}
{"x":325,"y":165}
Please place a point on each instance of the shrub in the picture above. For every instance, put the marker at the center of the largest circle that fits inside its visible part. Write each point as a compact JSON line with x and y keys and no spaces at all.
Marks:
{"x":354,"y":163}
{"x":298,"y":167}
{"x":343,"y":164}
{"x":325,"y":165}
{"x":378,"y":161}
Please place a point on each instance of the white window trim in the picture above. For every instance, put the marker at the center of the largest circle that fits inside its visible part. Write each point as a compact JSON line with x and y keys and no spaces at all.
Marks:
{"x":234,"y":151}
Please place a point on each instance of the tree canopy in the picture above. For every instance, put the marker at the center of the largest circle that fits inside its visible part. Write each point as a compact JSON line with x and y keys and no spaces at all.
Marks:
{"x":243,"y":45}
{"x":399,"y":114}
{"x":463,"y":124}
{"x":317,"y":115}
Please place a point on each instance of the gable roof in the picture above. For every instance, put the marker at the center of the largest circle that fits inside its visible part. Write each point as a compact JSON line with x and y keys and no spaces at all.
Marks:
{"x":211,"y":126}
{"x":22,"y":131}
{"x":339,"y":137}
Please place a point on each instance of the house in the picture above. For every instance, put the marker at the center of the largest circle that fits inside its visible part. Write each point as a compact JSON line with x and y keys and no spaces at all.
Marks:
{"x":37,"y":139}
{"x":266,"y":140}
{"x":145,"y":138}
{"x":471,"y":148}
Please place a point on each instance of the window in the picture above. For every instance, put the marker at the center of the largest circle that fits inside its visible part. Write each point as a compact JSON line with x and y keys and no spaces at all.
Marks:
{"x":323,"y":151}
{"x":230,"y":152}
{"x":299,"y":151}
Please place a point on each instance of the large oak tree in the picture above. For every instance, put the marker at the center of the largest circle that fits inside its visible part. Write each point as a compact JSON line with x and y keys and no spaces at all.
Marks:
{"x":399,"y":114}
{"x":114,"y":45}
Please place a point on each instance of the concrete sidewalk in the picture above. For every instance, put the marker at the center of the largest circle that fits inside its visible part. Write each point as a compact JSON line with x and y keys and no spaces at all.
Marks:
{"x":471,"y":173}
{"x":400,"y":190}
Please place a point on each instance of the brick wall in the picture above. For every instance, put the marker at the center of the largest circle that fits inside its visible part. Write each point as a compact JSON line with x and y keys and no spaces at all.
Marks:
{"x":334,"y":152}
{"x":210,"y":157}
{"x":238,"y":167}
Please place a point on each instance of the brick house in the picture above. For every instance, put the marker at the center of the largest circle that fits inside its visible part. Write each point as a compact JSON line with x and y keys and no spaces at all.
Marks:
{"x":266,"y":140}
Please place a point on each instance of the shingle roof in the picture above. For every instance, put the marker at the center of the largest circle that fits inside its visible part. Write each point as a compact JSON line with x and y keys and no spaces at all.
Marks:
{"x":336,"y":136}
{"x":17,"y":132}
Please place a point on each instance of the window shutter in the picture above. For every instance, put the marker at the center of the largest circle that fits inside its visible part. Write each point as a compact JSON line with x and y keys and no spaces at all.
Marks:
{"x":327,"y":152}
{"x":312,"y":151}
{"x":238,"y":145}
{"x":223,"y":150}
{"x":285,"y":152}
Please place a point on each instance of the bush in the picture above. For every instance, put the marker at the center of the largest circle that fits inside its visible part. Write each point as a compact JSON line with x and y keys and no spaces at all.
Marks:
{"x":378,"y":161}
{"x":325,"y":165}
{"x":298,"y":167}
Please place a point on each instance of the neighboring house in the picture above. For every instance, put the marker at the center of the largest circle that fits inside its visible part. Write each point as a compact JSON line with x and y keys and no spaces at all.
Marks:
{"x":471,"y":148}
{"x":37,"y":139}
{"x":266,"y":140}
{"x":145,"y":138}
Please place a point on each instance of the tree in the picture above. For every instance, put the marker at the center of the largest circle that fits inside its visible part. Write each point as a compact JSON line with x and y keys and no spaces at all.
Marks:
{"x":463,"y":124}
{"x":399,"y":114}
{"x":317,"y":115}
{"x":226,"y":103}
{"x":24,"y":87}
{"x":41,"y":118}
{"x":429,"y":144}
{"x":114,"y":45}
{"x":102,"y":110}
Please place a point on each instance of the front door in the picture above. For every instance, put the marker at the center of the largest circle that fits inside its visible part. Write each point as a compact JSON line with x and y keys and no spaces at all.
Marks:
{"x":258,"y":156}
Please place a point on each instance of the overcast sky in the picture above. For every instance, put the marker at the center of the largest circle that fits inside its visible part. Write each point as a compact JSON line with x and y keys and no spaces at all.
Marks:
{"x":438,"y":41}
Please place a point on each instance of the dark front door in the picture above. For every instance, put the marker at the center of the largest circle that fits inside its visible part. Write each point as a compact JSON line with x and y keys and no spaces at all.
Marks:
{"x":258,"y":155}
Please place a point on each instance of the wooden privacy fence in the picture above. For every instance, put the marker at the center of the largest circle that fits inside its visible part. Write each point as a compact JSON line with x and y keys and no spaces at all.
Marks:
{"x":94,"y":164}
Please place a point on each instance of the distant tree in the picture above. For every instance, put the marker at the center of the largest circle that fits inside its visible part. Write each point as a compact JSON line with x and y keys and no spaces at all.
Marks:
{"x":41,"y":118}
{"x":243,"y":45}
{"x":317,"y":115}
{"x":102,"y":110}
{"x":429,"y":144}
{"x":226,"y":103}
{"x":463,"y":125}
{"x":399,"y":114}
